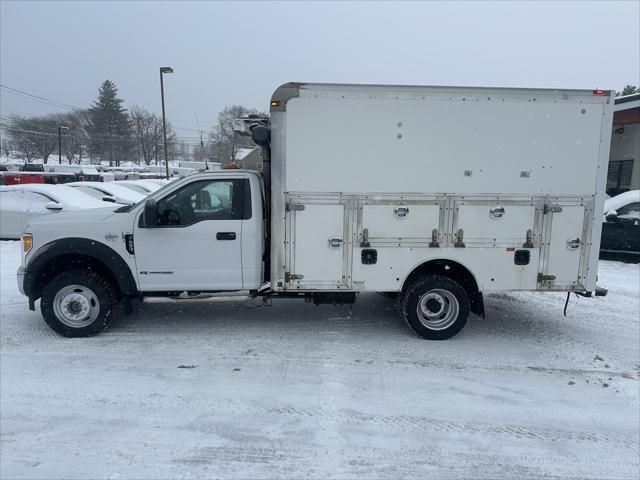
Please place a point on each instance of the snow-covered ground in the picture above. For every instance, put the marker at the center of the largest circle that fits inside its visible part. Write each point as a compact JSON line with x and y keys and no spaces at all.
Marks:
{"x":297,"y":391}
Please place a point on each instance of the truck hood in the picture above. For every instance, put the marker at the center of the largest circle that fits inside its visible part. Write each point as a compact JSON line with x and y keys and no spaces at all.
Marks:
{"x":75,"y":216}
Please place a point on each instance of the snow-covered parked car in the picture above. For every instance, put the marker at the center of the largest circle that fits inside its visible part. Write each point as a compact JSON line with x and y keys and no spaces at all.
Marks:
{"x":87,"y":173}
{"x":621,"y":224}
{"x":109,"y":192}
{"x":141,"y":186}
{"x":19,"y":204}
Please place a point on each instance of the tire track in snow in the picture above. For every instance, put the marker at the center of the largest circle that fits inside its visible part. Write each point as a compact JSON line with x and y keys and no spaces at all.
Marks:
{"x":431,"y":425}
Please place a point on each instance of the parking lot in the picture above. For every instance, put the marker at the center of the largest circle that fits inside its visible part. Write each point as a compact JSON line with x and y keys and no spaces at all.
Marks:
{"x":294,"y":390}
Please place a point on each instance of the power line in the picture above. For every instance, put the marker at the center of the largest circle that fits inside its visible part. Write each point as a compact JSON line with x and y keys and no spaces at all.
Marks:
{"x":38,"y":97}
{"x":66,"y":135}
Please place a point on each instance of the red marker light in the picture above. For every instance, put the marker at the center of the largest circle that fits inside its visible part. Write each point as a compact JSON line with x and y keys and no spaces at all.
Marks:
{"x":598,"y":92}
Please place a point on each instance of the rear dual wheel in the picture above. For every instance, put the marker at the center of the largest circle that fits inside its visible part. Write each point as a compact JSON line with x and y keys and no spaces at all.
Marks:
{"x":435,"y":307}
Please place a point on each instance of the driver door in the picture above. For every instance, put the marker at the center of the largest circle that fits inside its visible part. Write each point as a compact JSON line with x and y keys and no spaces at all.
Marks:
{"x":197,"y":243}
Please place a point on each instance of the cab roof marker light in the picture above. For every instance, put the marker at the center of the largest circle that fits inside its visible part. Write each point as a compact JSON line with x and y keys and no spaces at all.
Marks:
{"x":597,"y":91}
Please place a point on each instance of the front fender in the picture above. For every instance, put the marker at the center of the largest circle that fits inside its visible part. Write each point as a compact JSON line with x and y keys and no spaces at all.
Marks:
{"x":39,"y":268}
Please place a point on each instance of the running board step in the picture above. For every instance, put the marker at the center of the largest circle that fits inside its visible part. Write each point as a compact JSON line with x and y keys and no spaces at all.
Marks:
{"x":202,"y":298}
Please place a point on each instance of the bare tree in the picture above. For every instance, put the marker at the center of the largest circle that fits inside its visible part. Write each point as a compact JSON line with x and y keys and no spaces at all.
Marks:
{"x":227,"y":143}
{"x":6,"y":148}
{"x":147,"y":132}
{"x":46,"y":144}
{"x":75,"y":140}
{"x":32,"y":137}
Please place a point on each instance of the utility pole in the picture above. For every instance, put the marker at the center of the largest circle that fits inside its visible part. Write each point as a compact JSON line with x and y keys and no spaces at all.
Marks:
{"x":60,"y":128}
{"x":164,"y":70}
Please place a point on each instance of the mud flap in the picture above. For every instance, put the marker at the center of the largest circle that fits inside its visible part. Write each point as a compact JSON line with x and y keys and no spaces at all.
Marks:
{"x":477,"y":305}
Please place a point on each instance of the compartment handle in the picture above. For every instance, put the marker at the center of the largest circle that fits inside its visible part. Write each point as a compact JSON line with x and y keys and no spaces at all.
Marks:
{"x":401,"y":212}
{"x":497,"y":212}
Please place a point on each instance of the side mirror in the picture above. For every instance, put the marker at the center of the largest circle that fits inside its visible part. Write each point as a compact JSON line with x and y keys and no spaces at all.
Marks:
{"x":150,"y":214}
{"x":53,"y":206}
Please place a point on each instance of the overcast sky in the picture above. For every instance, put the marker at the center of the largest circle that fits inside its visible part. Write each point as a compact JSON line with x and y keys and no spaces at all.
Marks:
{"x":229,"y":53}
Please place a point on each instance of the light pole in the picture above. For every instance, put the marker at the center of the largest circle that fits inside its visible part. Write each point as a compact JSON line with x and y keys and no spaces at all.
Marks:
{"x":164,"y":70}
{"x":60,"y":128}
{"x":157,"y":145}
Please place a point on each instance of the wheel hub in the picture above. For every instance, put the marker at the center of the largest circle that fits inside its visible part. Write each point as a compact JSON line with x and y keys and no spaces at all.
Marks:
{"x":438,"y":309}
{"x":76,"y":306}
{"x":434,"y":304}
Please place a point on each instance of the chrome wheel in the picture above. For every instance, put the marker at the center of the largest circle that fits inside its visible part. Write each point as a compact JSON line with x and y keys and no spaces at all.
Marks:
{"x":438,"y":309}
{"x":76,"y":306}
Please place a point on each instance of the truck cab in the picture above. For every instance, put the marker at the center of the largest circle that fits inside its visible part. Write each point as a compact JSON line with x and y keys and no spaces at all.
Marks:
{"x":203,"y":233}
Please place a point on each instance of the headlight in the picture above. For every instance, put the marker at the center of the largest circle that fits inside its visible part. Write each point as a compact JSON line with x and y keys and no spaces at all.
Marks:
{"x":27,"y":242}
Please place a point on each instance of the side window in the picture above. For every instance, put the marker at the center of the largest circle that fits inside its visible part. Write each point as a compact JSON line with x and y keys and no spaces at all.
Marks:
{"x":619,"y":176}
{"x":632,"y":209}
{"x":36,"y":201}
{"x":91,"y":191}
{"x":37,"y":197}
{"x":206,"y":200}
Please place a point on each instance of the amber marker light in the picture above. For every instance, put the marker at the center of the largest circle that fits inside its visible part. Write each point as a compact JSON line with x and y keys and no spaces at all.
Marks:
{"x":27,"y":242}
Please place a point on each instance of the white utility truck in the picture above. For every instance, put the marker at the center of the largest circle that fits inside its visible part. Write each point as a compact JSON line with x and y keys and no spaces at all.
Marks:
{"x":433,"y":195}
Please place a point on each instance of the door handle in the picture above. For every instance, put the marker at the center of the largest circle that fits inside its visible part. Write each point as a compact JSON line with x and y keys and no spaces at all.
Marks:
{"x":335,"y":242}
{"x":226,"y":236}
{"x":573,"y":244}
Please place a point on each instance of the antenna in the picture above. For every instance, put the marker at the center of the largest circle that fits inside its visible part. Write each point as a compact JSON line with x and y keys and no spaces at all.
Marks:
{"x":206,"y":164}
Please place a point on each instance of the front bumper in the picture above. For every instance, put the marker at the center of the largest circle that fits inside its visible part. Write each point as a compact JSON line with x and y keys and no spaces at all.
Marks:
{"x":20,"y":279}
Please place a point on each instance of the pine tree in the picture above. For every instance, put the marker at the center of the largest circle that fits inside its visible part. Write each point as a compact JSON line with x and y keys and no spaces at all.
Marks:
{"x":109,"y":127}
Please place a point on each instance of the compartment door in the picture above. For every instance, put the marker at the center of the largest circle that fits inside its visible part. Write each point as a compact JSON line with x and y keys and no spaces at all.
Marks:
{"x":394,"y":222}
{"x":565,"y":237}
{"x":319,"y":245}
{"x":499,"y":223}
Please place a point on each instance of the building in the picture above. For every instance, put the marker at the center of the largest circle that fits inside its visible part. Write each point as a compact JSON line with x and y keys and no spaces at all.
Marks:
{"x":624,"y":157}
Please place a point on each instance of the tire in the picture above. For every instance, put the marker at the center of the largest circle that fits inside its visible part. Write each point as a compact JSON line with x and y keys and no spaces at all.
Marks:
{"x":79,"y":303}
{"x":435,"y":307}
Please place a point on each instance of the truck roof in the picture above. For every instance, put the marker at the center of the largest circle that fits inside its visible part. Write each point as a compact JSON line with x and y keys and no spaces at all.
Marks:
{"x":229,"y":171}
{"x":290,"y":90}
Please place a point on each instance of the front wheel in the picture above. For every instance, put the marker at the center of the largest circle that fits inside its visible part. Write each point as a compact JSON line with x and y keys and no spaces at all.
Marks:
{"x":435,"y":307}
{"x":78,"y":303}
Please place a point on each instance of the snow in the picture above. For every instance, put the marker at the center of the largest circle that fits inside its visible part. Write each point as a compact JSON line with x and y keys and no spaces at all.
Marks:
{"x":298,"y":391}
{"x":634,"y":214}
{"x":120,"y":192}
{"x":243,"y":152}
{"x":70,"y":197}
{"x":614,"y":203}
